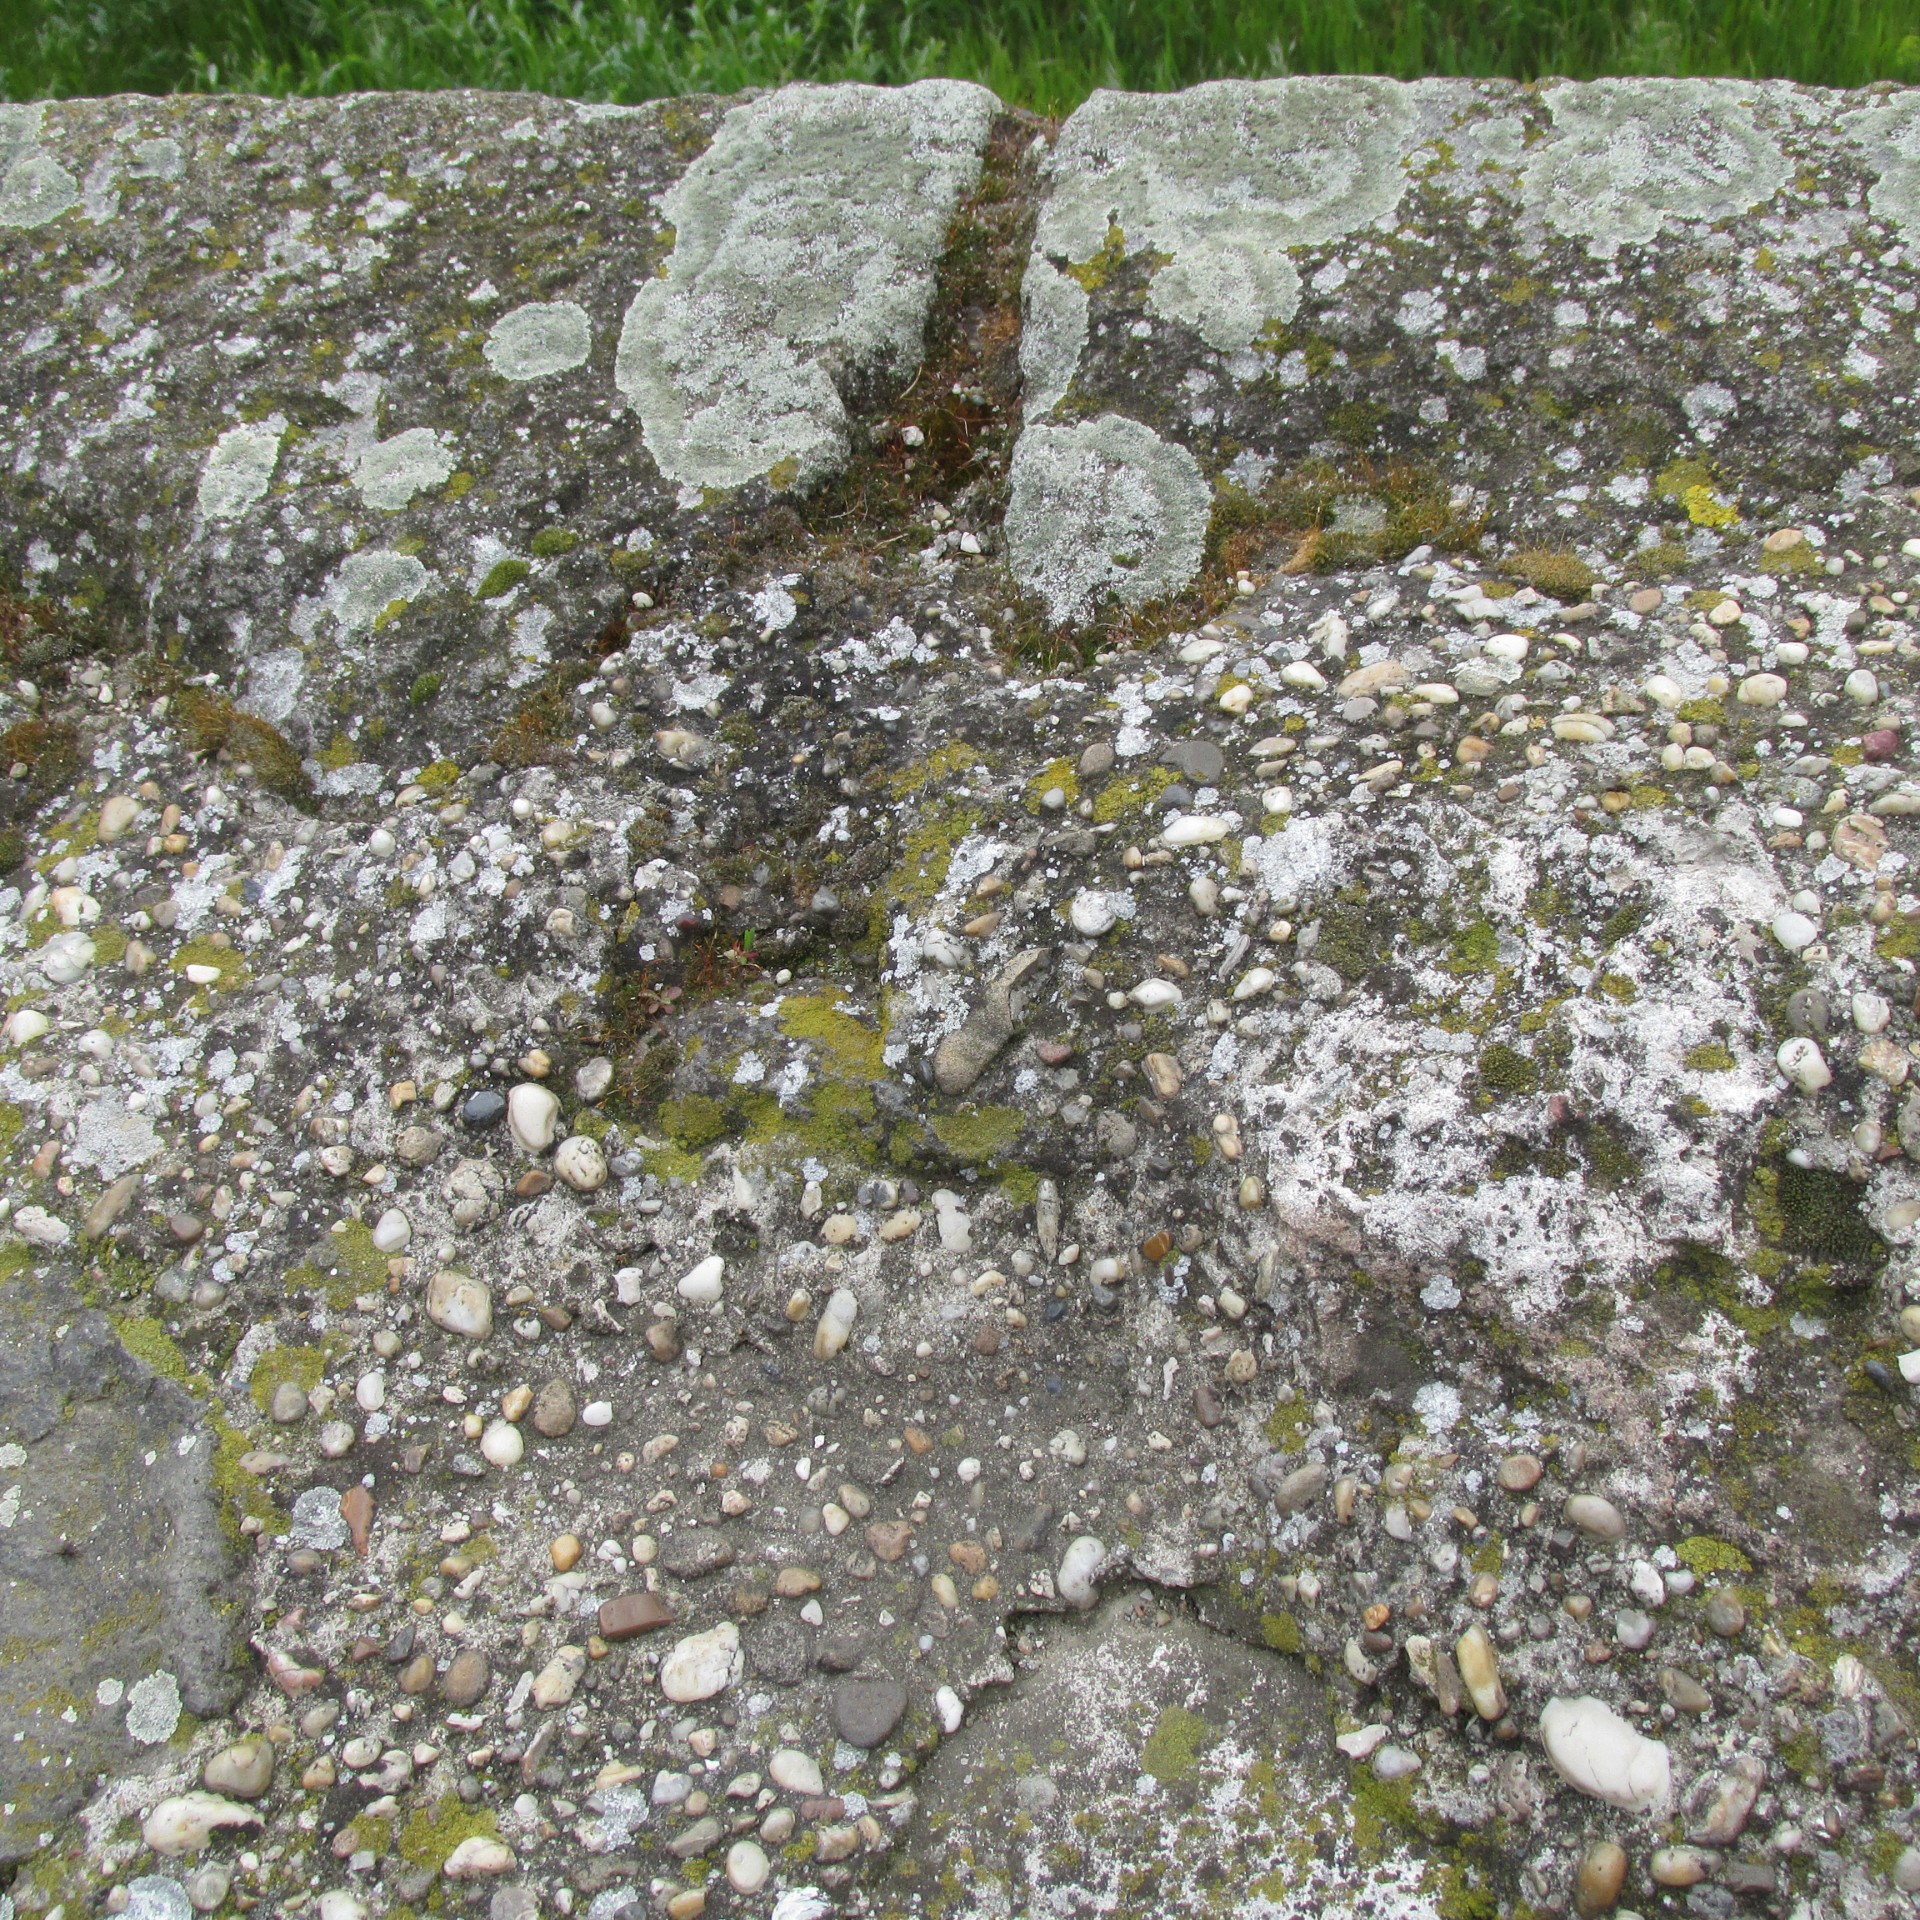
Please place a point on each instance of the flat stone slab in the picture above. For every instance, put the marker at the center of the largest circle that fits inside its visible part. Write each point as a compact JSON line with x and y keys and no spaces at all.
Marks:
{"x":120,"y":1594}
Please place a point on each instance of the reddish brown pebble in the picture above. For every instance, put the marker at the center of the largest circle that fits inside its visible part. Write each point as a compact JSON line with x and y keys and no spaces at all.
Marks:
{"x":534,"y":1182}
{"x":363,"y":1648}
{"x":1053,"y":1053}
{"x":987,"y":1340}
{"x":356,"y":1509}
{"x":629,"y":1614}
{"x":1206,"y":1404}
{"x":1157,"y":1246}
{"x":889,"y":1539}
{"x":1881,"y":744}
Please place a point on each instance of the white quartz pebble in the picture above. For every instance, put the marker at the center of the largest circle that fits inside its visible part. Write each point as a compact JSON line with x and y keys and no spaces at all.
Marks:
{"x":533,"y":1116}
{"x":701,"y":1286}
{"x":1600,"y":1754}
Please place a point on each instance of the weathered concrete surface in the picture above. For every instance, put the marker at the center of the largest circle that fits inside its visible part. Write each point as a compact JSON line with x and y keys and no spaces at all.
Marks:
{"x":1387,"y":609}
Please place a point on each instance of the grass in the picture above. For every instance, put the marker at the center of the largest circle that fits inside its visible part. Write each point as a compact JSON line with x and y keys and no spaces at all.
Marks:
{"x":1035,"y":53}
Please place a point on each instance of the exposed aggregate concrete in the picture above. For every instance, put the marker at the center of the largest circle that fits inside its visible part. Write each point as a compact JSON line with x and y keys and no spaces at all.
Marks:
{"x":915,"y":1015}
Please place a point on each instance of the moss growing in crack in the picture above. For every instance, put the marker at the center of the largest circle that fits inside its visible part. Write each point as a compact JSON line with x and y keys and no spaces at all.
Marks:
{"x":550,"y":542}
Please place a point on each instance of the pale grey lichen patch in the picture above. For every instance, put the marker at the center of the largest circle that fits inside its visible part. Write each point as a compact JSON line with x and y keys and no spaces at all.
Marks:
{"x":153,"y":1708}
{"x":542,"y":338}
{"x":1103,"y":508}
{"x":390,"y":472}
{"x":274,"y":681}
{"x":1627,"y":156}
{"x":1888,"y":137}
{"x":368,"y":585}
{"x":34,"y":187}
{"x":806,"y":242}
{"x":158,"y":159}
{"x":1226,"y":292}
{"x":1053,"y":335}
{"x":1221,"y":180}
{"x":240,"y":468}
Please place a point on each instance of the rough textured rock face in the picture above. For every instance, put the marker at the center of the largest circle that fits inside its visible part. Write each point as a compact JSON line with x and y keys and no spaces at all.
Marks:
{"x":908,"y":1015}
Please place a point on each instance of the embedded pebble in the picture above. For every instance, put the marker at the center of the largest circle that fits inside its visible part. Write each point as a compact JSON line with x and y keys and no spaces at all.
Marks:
{"x":533,"y":1116}
{"x":1594,"y":1750}
{"x":702,"y":1664}
{"x":701,"y":1285}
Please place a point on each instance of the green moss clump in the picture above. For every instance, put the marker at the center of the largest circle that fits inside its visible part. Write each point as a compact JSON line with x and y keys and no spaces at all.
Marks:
{"x":215,"y":725}
{"x":1505,"y":1070}
{"x":550,"y":542}
{"x":303,"y":1366}
{"x":1475,"y":949}
{"x":1131,"y":794}
{"x":1899,"y":939}
{"x":432,"y":1833}
{"x":852,"y":1051}
{"x":1701,"y":1554}
{"x":1348,"y":943}
{"x":232,"y":966}
{"x":942,"y":765}
{"x":980,"y":1133}
{"x":48,"y":749}
{"x":1703,"y":713}
{"x":540,"y":731}
{"x":1056,"y":773}
{"x":1174,"y":1746}
{"x":501,"y":579}
{"x":671,"y":1163}
{"x":1563,"y":575}
{"x":425,"y":688}
{"x":1287,"y":1426}
{"x":1622,"y":923}
{"x":1281,"y":1631}
{"x":151,"y":1344}
{"x":354,"y":1266}
{"x":1821,"y":1218}
{"x":693,"y":1121}
{"x":1710,"y":1057}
